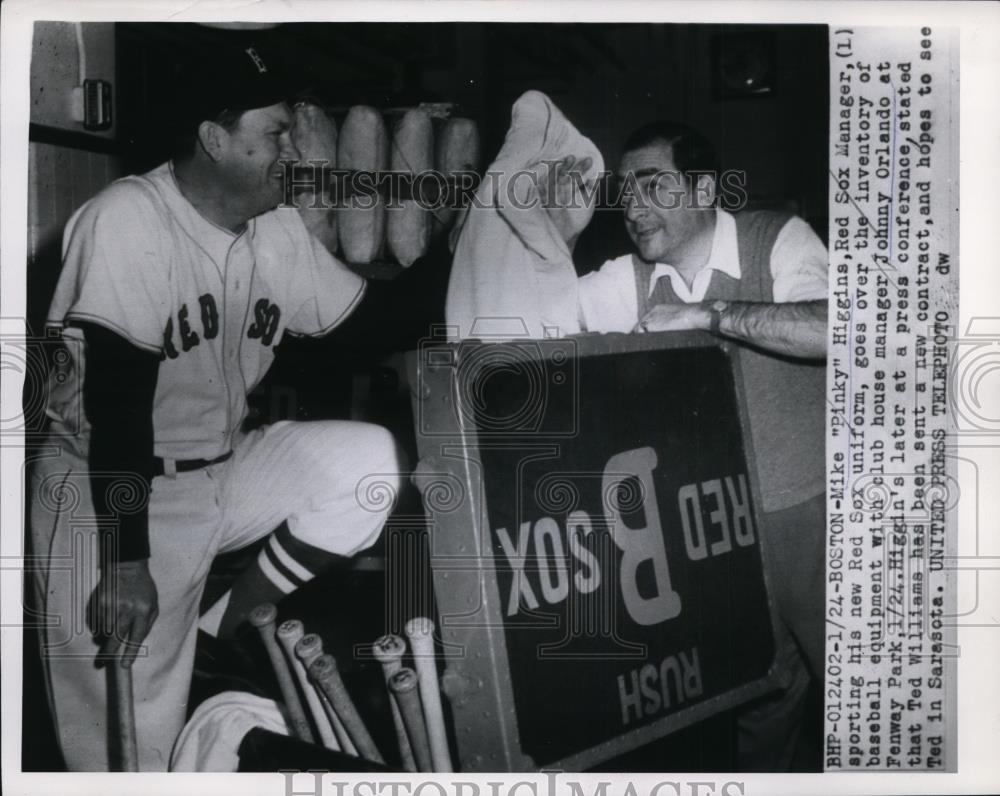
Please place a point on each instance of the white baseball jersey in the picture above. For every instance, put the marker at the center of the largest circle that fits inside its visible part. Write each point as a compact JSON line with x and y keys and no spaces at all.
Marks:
{"x":140,"y":260}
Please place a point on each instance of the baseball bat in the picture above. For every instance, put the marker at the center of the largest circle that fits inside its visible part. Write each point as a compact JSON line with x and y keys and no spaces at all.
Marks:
{"x":324,"y":673}
{"x":262,"y":617}
{"x":403,"y":685}
{"x":289,"y":632}
{"x":125,"y":706}
{"x":420,"y":631}
{"x":388,"y":651}
{"x":308,"y":649}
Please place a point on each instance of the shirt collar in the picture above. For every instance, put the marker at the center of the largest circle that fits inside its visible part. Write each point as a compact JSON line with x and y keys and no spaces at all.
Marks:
{"x":724,"y":256}
{"x":196,"y":216}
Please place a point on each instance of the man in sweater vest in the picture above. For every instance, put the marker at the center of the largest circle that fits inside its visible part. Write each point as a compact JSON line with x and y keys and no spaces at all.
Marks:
{"x":758,"y":279}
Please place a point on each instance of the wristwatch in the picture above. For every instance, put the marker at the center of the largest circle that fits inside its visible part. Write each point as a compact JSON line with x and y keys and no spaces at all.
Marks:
{"x":717,"y":309}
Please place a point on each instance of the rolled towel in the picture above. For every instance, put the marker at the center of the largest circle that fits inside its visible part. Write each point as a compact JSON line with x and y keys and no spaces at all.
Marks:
{"x":409,"y":222}
{"x":315,"y":135}
{"x":364,"y":147}
{"x":457,"y":151}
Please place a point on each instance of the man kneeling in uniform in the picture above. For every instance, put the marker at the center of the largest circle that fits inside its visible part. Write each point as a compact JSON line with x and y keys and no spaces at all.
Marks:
{"x":177,"y":285}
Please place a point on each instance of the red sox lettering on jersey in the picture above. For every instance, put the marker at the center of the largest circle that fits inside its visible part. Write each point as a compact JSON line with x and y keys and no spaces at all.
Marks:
{"x":213,"y":304}
{"x":264,"y":326}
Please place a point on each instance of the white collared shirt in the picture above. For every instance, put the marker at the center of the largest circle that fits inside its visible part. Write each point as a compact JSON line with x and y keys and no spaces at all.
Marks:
{"x":799,"y":266}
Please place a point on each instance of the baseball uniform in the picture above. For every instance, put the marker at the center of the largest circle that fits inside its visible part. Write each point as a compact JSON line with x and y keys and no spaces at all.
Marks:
{"x":142,"y":262}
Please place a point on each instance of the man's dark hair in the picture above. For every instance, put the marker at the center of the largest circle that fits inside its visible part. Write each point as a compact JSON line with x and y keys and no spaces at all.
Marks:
{"x":692,"y":151}
{"x":185,"y":139}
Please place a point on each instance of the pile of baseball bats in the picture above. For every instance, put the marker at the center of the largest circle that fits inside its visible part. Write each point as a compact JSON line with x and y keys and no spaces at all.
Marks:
{"x":306,"y":673}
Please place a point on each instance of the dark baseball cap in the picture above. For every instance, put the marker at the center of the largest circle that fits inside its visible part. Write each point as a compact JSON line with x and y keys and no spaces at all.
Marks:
{"x":235,"y":77}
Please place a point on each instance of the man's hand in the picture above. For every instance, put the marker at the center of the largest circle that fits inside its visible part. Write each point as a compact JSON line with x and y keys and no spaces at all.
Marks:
{"x":675,"y":318}
{"x":560,"y":189}
{"x":123,"y":607}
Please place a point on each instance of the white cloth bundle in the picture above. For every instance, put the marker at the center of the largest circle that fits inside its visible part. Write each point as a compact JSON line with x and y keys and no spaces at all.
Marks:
{"x":211,"y":739}
{"x":513,"y":272}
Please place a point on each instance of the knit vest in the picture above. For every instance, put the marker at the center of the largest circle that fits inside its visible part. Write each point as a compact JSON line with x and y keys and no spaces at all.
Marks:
{"x":785,"y":397}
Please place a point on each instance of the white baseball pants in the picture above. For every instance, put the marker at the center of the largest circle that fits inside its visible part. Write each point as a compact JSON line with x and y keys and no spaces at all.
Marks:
{"x":332,"y":481}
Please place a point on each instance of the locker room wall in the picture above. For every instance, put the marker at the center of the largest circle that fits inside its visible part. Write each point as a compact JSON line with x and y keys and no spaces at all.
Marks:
{"x":66,"y":167}
{"x":64,"y":171}
{"x":55,"y":69}
{"x":610,"y":79}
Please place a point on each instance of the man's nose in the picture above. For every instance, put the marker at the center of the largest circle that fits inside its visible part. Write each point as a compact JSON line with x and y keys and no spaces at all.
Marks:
{"x":633,"y":209}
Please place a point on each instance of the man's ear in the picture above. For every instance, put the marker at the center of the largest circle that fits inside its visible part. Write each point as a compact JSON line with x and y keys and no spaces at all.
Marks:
{"x":704,"y":190}
{"x":212,"y":138}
